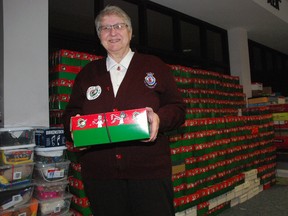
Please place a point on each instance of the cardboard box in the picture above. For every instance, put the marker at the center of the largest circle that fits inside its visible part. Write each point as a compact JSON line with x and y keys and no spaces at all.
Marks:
{"x":234,"y":202}
{"x":267,"y":90}
{"x":110,"y":127}
{"x":277,"y":100}
{"x":258,"y":100}
{"x":280,"y":125}
{"x":243,"y":198}
{"x":281,"y":133}
{"x":257,"y":93}
{"x":281,"y":142}
{"x":256,"y":86}
{"x":221,"y":199}
{"x":230,"y":195}
{"x":213,"y":203}
{"x":178,"y":168}
{"x":250,"y":175}
{"x":191,"y":211}
{"x":278,"y":108}
{"x":283,"y":116}
{"x":50,"y":137}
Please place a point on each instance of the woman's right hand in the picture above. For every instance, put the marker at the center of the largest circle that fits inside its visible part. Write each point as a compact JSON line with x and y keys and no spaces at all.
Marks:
{"x":71,"y":125}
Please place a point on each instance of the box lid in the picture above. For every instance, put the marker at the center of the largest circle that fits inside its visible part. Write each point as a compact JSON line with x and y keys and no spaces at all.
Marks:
{"x":15,"y":129}
{"x":17,"y":147}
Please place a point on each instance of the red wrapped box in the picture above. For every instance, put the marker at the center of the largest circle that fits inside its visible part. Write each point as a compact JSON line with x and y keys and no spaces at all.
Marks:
{"x":110,"y":127}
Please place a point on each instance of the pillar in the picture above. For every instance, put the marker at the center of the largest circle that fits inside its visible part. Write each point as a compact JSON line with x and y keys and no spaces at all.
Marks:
{"x":239,"y":58}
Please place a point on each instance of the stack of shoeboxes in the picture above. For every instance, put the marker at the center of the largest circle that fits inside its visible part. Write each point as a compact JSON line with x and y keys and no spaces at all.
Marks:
{"x":263,"y":96}
{"x":51,"y":172}
{"x":16,"y":170}
{"x":280,"y":118}
{"x":80,"y":204}
{"x":64,"y":66}
{"x":224,"y":154}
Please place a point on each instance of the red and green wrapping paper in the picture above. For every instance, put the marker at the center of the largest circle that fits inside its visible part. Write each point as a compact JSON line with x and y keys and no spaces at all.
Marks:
{"x":110,"y":127}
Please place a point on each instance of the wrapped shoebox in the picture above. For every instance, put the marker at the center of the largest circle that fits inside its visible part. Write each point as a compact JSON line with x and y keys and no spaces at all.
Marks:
{"x":110,"y":127}
{"x":56,"y":118}
{"x":61,"y":86}
{"x":58,"y":101}
{"x":28,"y":209}
{"x":50,"y":155}
{"x":16,"y":136}
{"x":17,"y":154}
{"x":49,"y":137}
{"x":50,"y":190}
{"x":62,"y":71}
{"x":15,"y":197}
{"x":81,"y":205}
{"x":75,"y":212}
{"x":72,"y":58}
{"x":76,"y":187}
{"x":75,"y":170}
{"x":56,"y":206}
{"x":51,"y":172}
{"x":283,"y":116}
{"x":15,"y":175}
{"x":81,"y":201}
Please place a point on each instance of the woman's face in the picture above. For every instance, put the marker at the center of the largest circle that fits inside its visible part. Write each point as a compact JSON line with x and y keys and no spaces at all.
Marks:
{"x":115,"y":41}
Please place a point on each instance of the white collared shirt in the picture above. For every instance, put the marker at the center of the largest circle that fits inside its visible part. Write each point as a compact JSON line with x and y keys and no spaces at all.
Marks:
{"x":118,"y":71}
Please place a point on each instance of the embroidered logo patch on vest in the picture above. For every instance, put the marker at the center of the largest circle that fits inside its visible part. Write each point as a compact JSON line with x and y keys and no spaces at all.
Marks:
{"x":150,"y":80}
{"x":93,"y":92}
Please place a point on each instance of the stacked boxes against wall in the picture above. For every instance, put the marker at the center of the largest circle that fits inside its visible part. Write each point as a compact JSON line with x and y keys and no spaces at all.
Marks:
{"x":280,"y":118}
{"x":80,"y":204}
{"x":64,"y":66}
{"x":16,"y":170}
{"x":224,"y":153}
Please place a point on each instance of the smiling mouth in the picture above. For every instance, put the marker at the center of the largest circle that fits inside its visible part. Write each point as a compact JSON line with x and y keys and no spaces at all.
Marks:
{"x":114,"y":40}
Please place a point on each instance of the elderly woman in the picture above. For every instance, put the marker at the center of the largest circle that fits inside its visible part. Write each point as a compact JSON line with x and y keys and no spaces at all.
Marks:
{"x":127,"y":178}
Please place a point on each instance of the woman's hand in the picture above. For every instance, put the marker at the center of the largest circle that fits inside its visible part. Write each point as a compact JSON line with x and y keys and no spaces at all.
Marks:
{"x":71,"y":126}
{"x":154,"y":123}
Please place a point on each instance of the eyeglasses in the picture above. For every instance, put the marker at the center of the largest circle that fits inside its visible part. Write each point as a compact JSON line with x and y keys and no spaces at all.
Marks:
{"x":117,"y":26}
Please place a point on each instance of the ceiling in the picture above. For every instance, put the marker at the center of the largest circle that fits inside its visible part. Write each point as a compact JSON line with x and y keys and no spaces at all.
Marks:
{"x":262,"y":25}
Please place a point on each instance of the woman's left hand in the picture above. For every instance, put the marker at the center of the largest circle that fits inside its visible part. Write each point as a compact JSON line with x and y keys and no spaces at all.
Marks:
{"x":154,"y":123}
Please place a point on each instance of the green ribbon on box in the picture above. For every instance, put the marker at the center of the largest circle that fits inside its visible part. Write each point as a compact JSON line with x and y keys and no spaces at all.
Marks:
{"x":92,"y":136}
{"x":62,"y":75}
